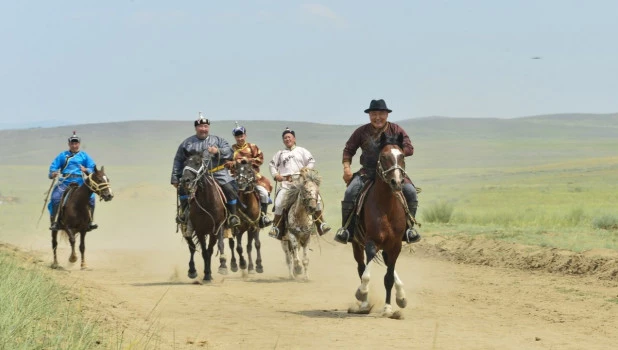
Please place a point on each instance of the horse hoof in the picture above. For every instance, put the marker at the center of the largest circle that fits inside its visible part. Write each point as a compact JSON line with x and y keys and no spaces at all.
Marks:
{"x":402,"y":303}
{"x":259,"y":269}
{"x":234,"y":268}
{"x":222,"y":271}
{"x":251,"y":272}
{"x":72,"y":259}
{"x":360,"y":296}
{"x":298,"y":270}
{"x":192,"y":275}
{"x":84,"y":267}
{"x":54,"y":265}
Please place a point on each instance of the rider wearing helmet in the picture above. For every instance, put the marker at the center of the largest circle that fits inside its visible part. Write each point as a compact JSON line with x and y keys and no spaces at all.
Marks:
{"x":68,"y":167}
{"x":219,"y":152}
{"x":251,"y":152}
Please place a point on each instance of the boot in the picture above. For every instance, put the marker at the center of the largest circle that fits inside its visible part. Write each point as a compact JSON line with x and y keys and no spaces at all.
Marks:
{"x":52,"y":219}
{"x":232,"y":219}
{"x":344,"y":234}
{"x":92,"y":225}
{"x":411,"y":235}
{"x":54,"y":224}
{"x":181,"y":213}
{"x":322,"y":226}
{"x":264,"y":219}
{"x":277,"y":231}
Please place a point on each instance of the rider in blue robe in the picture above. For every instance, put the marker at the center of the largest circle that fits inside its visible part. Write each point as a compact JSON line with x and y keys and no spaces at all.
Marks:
{"x":68,"y":167}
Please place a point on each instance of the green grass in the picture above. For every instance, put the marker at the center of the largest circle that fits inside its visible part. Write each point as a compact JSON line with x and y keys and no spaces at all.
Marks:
{"x":37,"y":313}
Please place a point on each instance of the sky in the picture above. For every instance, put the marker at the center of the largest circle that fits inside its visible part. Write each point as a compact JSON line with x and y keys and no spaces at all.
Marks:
{"x":93,"y":61}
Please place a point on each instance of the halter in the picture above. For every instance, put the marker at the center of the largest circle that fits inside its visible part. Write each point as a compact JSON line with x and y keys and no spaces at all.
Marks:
{"x":94,"y":186}
{"x":250,"y":179}
{"x":199,"y":173}
{"x":382,"y":173}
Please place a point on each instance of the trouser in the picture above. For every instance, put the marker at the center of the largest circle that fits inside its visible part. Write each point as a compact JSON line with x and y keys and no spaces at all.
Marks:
{"x":263,"y":194}
{"x":280,"y":196}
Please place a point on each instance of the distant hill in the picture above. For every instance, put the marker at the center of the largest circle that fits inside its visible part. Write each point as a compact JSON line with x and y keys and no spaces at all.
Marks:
{"x":440,"y":142}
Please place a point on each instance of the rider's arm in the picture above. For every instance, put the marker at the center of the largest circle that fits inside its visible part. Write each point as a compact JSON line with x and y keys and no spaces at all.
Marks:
{"x":55,"y":165}
{"x":258,"y":156}
{"x":88,"y":162}
{"x":351,"y":146}
{"x":308,"y":159}
{"x":273,"y":165}
{"x":178,"y":164}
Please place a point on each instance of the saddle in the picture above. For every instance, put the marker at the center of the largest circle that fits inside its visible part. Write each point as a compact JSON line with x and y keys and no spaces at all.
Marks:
{"x":360,"y":200}
{"x":63,"y":201}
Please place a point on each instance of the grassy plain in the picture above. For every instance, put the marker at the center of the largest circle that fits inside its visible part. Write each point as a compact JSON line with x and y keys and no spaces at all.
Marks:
{"x":538,"y":180}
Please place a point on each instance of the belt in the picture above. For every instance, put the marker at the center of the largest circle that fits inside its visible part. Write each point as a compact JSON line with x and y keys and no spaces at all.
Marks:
{"x":220,"y":167}
{"x":289,"y":177}
{"x":71,"y":175}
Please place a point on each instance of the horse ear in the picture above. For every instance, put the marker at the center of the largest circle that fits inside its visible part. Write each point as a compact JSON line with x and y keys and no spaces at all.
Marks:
{"x":102,"y":167}
{"x":95,"y":169}
{"x":382,"y":138}
{"x":400,"y":139}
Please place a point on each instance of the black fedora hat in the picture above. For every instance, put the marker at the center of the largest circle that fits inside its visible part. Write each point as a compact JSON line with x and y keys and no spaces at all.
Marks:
{"x":377,"y":105}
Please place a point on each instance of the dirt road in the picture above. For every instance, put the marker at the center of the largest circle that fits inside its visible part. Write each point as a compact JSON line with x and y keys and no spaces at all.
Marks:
{"x":138,"y":280}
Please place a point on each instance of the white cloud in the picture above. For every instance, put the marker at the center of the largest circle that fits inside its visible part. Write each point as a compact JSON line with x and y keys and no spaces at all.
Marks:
{"x":323,"y":12}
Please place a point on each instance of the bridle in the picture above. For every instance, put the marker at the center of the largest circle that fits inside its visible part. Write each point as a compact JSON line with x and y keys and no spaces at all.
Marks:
{"x":96,"y":187}
{"x":382,"y":173}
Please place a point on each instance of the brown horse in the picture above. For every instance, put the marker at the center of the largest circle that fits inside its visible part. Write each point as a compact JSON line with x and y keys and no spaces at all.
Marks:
{"x":75,"y":215}
{"x":206,"y":210}
{"x":382,"y":223}
{"x":249,"y":213}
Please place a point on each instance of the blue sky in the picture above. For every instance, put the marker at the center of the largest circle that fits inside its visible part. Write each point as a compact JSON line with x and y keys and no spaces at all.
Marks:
{"x":98,"y":61}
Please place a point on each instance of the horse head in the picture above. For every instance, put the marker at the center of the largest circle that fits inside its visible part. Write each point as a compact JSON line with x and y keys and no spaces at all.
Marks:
{"x":193,"y":170}
{"x":391,"y":165}
{"x":309,"y":185}
{"x":245,"y":175}
{"x":98,"y":182}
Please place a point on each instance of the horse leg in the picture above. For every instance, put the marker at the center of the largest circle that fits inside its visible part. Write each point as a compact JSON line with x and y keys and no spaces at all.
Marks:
{"x":222,"y":258}
{"x":202,"y":239}
{"x":306,"y":260}
{"x":363,"y":290}
{"x":258,"y":261}
{"x":192,"y":273}
{"x":233,"y":264}
{"x":82,"y":249}
{"x":54,"y":235}
{"x":73,"y":257}
{"x":211,"y":245}
{"x":239,"y":250}
{"x":400,"y":294}
{"x":250,"y":236}
{"x":287,"y":250}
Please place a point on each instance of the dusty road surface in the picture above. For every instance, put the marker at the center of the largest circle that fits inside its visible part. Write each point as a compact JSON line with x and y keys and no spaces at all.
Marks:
{"x":137,"y":279}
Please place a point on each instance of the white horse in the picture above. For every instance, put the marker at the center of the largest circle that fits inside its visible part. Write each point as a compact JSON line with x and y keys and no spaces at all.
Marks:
{"x":301,"y":202}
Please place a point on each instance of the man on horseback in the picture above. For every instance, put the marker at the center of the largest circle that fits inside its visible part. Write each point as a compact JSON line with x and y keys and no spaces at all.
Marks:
{"x":285,"y":164}
{"x":366,"y":137}
{"x":219,"y":151}
{"x":251,"y":152}
{"x":68,"y":167}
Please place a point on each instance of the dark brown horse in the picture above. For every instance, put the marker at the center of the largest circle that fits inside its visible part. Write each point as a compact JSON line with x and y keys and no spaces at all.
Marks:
{"x":206,"y":210}
{"x":249,"y":213}
{"x":382,"y":223}
{"x":75,"y":215}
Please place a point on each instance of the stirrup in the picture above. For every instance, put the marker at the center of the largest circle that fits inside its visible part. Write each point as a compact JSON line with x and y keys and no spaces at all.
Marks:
{"x":342,"y":236}
{"x":412,"y":236}
{"x":324,"y":228}
{"x":231,"y":219}
{"x":54,"y":226}
{"x":92,"y":226}
{"x":274,"y":232}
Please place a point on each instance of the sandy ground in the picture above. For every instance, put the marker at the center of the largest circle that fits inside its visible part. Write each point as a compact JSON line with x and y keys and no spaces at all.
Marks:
{"x":137,"y":280}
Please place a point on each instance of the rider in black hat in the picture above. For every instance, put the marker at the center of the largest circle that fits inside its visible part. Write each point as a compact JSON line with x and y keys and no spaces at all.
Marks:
{"x":365,"y":138}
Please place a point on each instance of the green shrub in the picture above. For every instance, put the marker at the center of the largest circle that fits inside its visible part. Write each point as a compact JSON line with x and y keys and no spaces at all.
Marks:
{"x":606,"y":222}
{"x":440,"y":212}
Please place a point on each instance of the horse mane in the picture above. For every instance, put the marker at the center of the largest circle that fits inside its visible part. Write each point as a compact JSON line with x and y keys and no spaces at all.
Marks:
{"x":390,"y":140}
{"x":307,"y":174}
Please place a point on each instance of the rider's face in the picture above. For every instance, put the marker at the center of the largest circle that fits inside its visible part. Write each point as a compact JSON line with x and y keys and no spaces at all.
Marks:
{"x":74,"y":146}
{"x":378,"y":118}
{"x":201,"y":130}
{"x":241,"y":139}
{"x":289,"y":140}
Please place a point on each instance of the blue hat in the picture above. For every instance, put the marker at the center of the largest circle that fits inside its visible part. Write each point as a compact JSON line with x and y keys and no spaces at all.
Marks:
{"x":74,"y":138}
{"x":239,"y":130}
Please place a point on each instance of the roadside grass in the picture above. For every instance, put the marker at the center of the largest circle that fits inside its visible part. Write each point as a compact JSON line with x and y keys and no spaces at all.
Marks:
{"x":36,"y":312}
